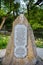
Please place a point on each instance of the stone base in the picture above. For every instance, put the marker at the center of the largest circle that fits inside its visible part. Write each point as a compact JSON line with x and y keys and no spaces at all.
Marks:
{"x":38,"y":62}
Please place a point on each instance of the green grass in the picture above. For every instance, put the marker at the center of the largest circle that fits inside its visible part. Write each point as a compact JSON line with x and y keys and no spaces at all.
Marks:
{"x":4,"y":41}
{"x":39,"y":42}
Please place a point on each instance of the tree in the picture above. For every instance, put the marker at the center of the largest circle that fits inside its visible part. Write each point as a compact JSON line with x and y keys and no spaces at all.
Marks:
{"x":29,"y":4}
{"x":0,"y":4}
{"x":9,"y":6}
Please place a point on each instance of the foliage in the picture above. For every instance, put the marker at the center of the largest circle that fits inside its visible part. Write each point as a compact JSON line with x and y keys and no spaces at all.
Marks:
{"x":9,"y":5}
{"x":39,"y":42}
{"x":2,"y":13}
{"x":34,"y":15}
{"x":35,"y":18}
{"x":3,"y":41}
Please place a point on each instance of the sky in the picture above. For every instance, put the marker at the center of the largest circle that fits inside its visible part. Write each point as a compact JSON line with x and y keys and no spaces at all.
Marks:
{"x":22,"y":2}
{"x":23,"y":5}
{"x":35,"y":0}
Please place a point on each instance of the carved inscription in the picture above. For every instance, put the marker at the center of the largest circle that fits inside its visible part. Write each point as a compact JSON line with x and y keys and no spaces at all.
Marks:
{"x":20,"y":41}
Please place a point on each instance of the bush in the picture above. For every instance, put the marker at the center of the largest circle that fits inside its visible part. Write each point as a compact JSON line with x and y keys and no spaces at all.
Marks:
{"x":39,"y":42}
{"x":3,"y":41}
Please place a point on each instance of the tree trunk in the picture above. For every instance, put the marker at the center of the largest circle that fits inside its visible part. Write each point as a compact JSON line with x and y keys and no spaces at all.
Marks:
{"x":3,"y":21}
{"x":4,"y":18}
{"x":0,"y":4}
{"x":28,"y":9}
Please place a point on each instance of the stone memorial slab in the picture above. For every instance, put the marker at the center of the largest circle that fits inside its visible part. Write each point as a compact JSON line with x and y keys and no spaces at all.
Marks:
{"x":21,"y":49}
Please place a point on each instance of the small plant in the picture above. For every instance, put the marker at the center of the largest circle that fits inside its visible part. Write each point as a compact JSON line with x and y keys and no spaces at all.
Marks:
{"x":3,"y":41}
{"x":39,"y":42}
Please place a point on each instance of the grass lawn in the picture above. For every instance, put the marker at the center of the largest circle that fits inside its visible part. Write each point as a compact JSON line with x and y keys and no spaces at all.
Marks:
{"x":39,"y":42}
{"x":4,"y":40}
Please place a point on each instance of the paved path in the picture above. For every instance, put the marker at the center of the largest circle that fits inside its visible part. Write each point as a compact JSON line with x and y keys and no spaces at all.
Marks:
{"x":39,"y":52}
{"x":2,"y":53}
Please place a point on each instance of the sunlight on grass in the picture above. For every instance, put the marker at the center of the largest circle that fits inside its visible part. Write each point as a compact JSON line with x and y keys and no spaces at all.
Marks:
{"x":3,"y":41}
{"x":39,"y":42}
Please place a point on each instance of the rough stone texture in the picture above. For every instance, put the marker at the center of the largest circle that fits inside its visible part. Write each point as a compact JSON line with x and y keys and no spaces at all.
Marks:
{"x":31,"y":57}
